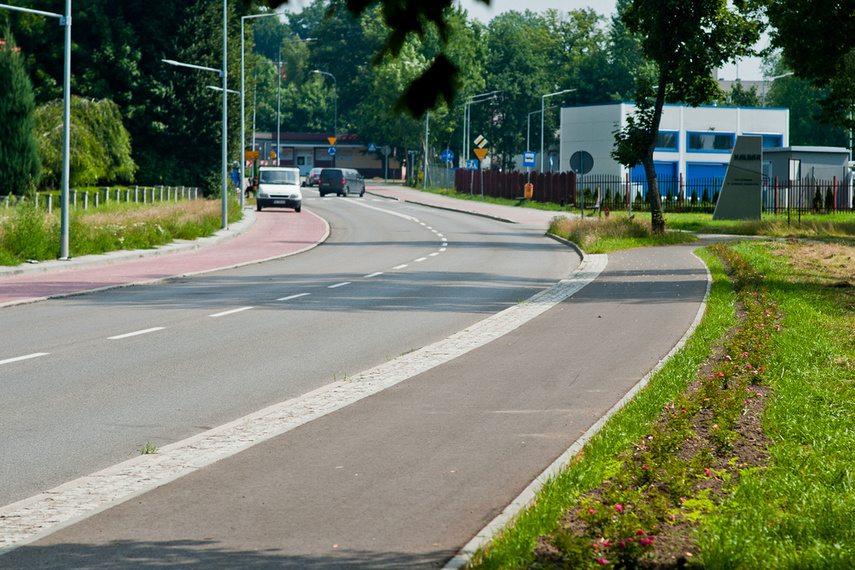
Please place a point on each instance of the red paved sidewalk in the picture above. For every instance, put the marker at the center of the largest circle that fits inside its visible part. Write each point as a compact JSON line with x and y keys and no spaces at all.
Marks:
{"x":273,"y":234}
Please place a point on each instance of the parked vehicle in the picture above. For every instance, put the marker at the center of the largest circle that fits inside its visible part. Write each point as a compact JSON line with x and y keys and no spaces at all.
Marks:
{"x":312,"y":177}
{"x":341,"y":181}
{"x":280,"y":187}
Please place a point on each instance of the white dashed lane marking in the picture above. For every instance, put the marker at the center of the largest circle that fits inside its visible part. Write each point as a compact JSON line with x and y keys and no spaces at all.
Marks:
{"x":289,"y":297}
{"x":231,"y":312}
{"x":400,"y":266}
{"x":339,"y":285}
{"x":135,"y":333}
{"x":370,"y":275}
{"x":26,"y":357}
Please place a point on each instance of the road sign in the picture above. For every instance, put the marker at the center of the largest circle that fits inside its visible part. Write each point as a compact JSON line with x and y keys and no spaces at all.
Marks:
{"x":447,"y":155}
{"x":472,"y":164}
{"x":480,"y":153}
{"x":386,"y":150}
{"x":581,"y":162}
{"x":252,"y":155}
{"x":481,"y":141}
{"x":331,"y":151}
{"x":529,"y":159}
{"x":372,"y":147}
{"x":332,"y":140}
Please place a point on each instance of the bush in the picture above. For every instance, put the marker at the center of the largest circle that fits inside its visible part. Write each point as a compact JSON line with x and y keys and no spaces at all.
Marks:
{"x":28,"y":234}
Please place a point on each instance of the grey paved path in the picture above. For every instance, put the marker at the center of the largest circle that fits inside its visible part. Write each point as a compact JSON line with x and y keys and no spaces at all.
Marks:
{"x":406,"y":477}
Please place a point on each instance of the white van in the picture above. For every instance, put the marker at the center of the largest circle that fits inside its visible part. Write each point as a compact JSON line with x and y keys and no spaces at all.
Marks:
{"x":280,"y":187}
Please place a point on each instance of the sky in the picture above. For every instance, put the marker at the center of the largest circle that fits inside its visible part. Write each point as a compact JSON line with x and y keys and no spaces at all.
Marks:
{"x":747,"y":70}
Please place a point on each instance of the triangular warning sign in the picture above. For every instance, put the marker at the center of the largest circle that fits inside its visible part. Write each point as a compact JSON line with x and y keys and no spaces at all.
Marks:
{"x":332,"y":140}
{"x":480,"y":153}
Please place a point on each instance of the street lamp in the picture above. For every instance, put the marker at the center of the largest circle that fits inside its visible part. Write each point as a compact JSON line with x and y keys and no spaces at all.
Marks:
{"x":335,"y":100}
{"x":768,"y":79}
{"x":225,"y":118}
{"x":242,"y":108}
{"x":528,"y":127}
{"x":542,"y":100}
{"x":471,"y":101}
{"x":66,"y":118}
{"x":224,"y":74}
{"x":427,"y":133}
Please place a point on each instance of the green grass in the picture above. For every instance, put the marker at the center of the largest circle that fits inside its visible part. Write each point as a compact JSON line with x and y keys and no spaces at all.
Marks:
{"x":28,"y":233}
{"x":597,"y":461}
{"x":796,"y":512}
{"x":613,"y":233}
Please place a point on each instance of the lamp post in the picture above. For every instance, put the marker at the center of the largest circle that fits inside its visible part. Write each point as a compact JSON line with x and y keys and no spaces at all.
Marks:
{"x":66,"y":118}
{"x":225,"y":127}
{"x":769,"y":79}
{"x":242,"y":104}
{"x":542,"y":100}
{"x":528,"y":127}
{"x":335,"y":100}
{"x":464,"y":154}
{"x":224,"y":74}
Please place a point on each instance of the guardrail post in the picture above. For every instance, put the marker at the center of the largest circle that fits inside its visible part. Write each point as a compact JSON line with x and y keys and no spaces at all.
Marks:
{"x":86,"y":200}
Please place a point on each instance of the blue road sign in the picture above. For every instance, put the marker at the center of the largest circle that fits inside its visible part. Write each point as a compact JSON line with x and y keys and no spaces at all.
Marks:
{"x":372,"y":147}
{"x":447,"y":156}
{"x":472,"y":164}
{"x":529,"y":158}
{"x":331,"y":151}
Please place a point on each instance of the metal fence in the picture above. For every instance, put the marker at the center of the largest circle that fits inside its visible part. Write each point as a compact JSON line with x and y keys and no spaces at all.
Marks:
{"x":103,"y":195}
{"x":700,"y":195}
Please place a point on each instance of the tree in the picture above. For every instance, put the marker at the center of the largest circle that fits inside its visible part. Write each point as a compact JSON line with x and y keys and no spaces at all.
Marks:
{"x":19,"y":155}
{"x":739,"y":96}
{"x":686,"y":39}
{"x":818,"y":45}
{"x":100,"y":149}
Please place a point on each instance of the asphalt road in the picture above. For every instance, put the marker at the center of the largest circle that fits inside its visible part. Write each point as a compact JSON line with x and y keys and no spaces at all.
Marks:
{"x":159,"y":363}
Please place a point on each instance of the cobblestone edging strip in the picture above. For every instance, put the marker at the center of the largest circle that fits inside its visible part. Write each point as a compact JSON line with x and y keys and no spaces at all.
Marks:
{"x":27,"y":520}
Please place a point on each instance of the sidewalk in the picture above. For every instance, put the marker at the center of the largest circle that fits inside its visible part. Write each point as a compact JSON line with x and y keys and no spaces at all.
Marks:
{"x":249,"y":241}
{"x":408,"y":470}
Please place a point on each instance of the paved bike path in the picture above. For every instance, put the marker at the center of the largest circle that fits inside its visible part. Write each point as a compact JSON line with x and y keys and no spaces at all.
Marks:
{"x":406,"y":477}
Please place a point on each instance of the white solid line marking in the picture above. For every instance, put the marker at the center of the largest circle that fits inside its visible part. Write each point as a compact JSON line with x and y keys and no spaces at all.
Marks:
{"x":369,"y":276}
{"x":288,"y":298}
{"x":420,"y":259}
{"x":121,"y":336}
{"x":27,"y":357}
{"x":400,"y":266}
{"x":233,"y":311}
{"x":339,"y":285}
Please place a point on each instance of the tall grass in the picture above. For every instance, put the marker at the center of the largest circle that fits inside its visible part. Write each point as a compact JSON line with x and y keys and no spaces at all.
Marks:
{"x":613,"y":233}
{"x":27,"y":233}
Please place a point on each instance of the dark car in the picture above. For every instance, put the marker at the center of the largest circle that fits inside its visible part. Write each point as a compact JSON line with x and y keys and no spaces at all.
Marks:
{"x":313,"y":177}
{"x":341,"y":181}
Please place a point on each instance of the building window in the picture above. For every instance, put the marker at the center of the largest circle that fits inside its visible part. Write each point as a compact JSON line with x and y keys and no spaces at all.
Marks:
{"x":711,"y":142}
{"x":667,"y":141}
{"x":770,"y":141}
{"x":344,"y":154}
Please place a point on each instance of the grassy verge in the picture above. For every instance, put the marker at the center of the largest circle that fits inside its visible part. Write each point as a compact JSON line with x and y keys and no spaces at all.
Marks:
{"x":27,"y":233}
{"x":613,"y":234}
{"x":713,"y":508}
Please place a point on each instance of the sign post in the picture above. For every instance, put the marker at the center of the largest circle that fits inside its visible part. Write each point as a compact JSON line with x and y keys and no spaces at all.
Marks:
{"x":481,"y":153}
{"x":581,"y":162}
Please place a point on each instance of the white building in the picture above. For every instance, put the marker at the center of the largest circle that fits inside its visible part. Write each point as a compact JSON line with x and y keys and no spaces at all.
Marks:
{"x":694,"y":142}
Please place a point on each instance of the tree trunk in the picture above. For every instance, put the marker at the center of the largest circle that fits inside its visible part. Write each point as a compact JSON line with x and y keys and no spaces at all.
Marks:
{"x":657,"y":220}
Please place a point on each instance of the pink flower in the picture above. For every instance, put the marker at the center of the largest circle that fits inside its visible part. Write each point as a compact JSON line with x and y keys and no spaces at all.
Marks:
{"x":645,"y":467}
{"x":602,"y":561}
{"x":682,"y":500}
{"x":707,"y":472}
{"x":715,"y":426}
{"x":619,"y":507}
{"x":591,"y":511}
{"x":639,"y":532}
